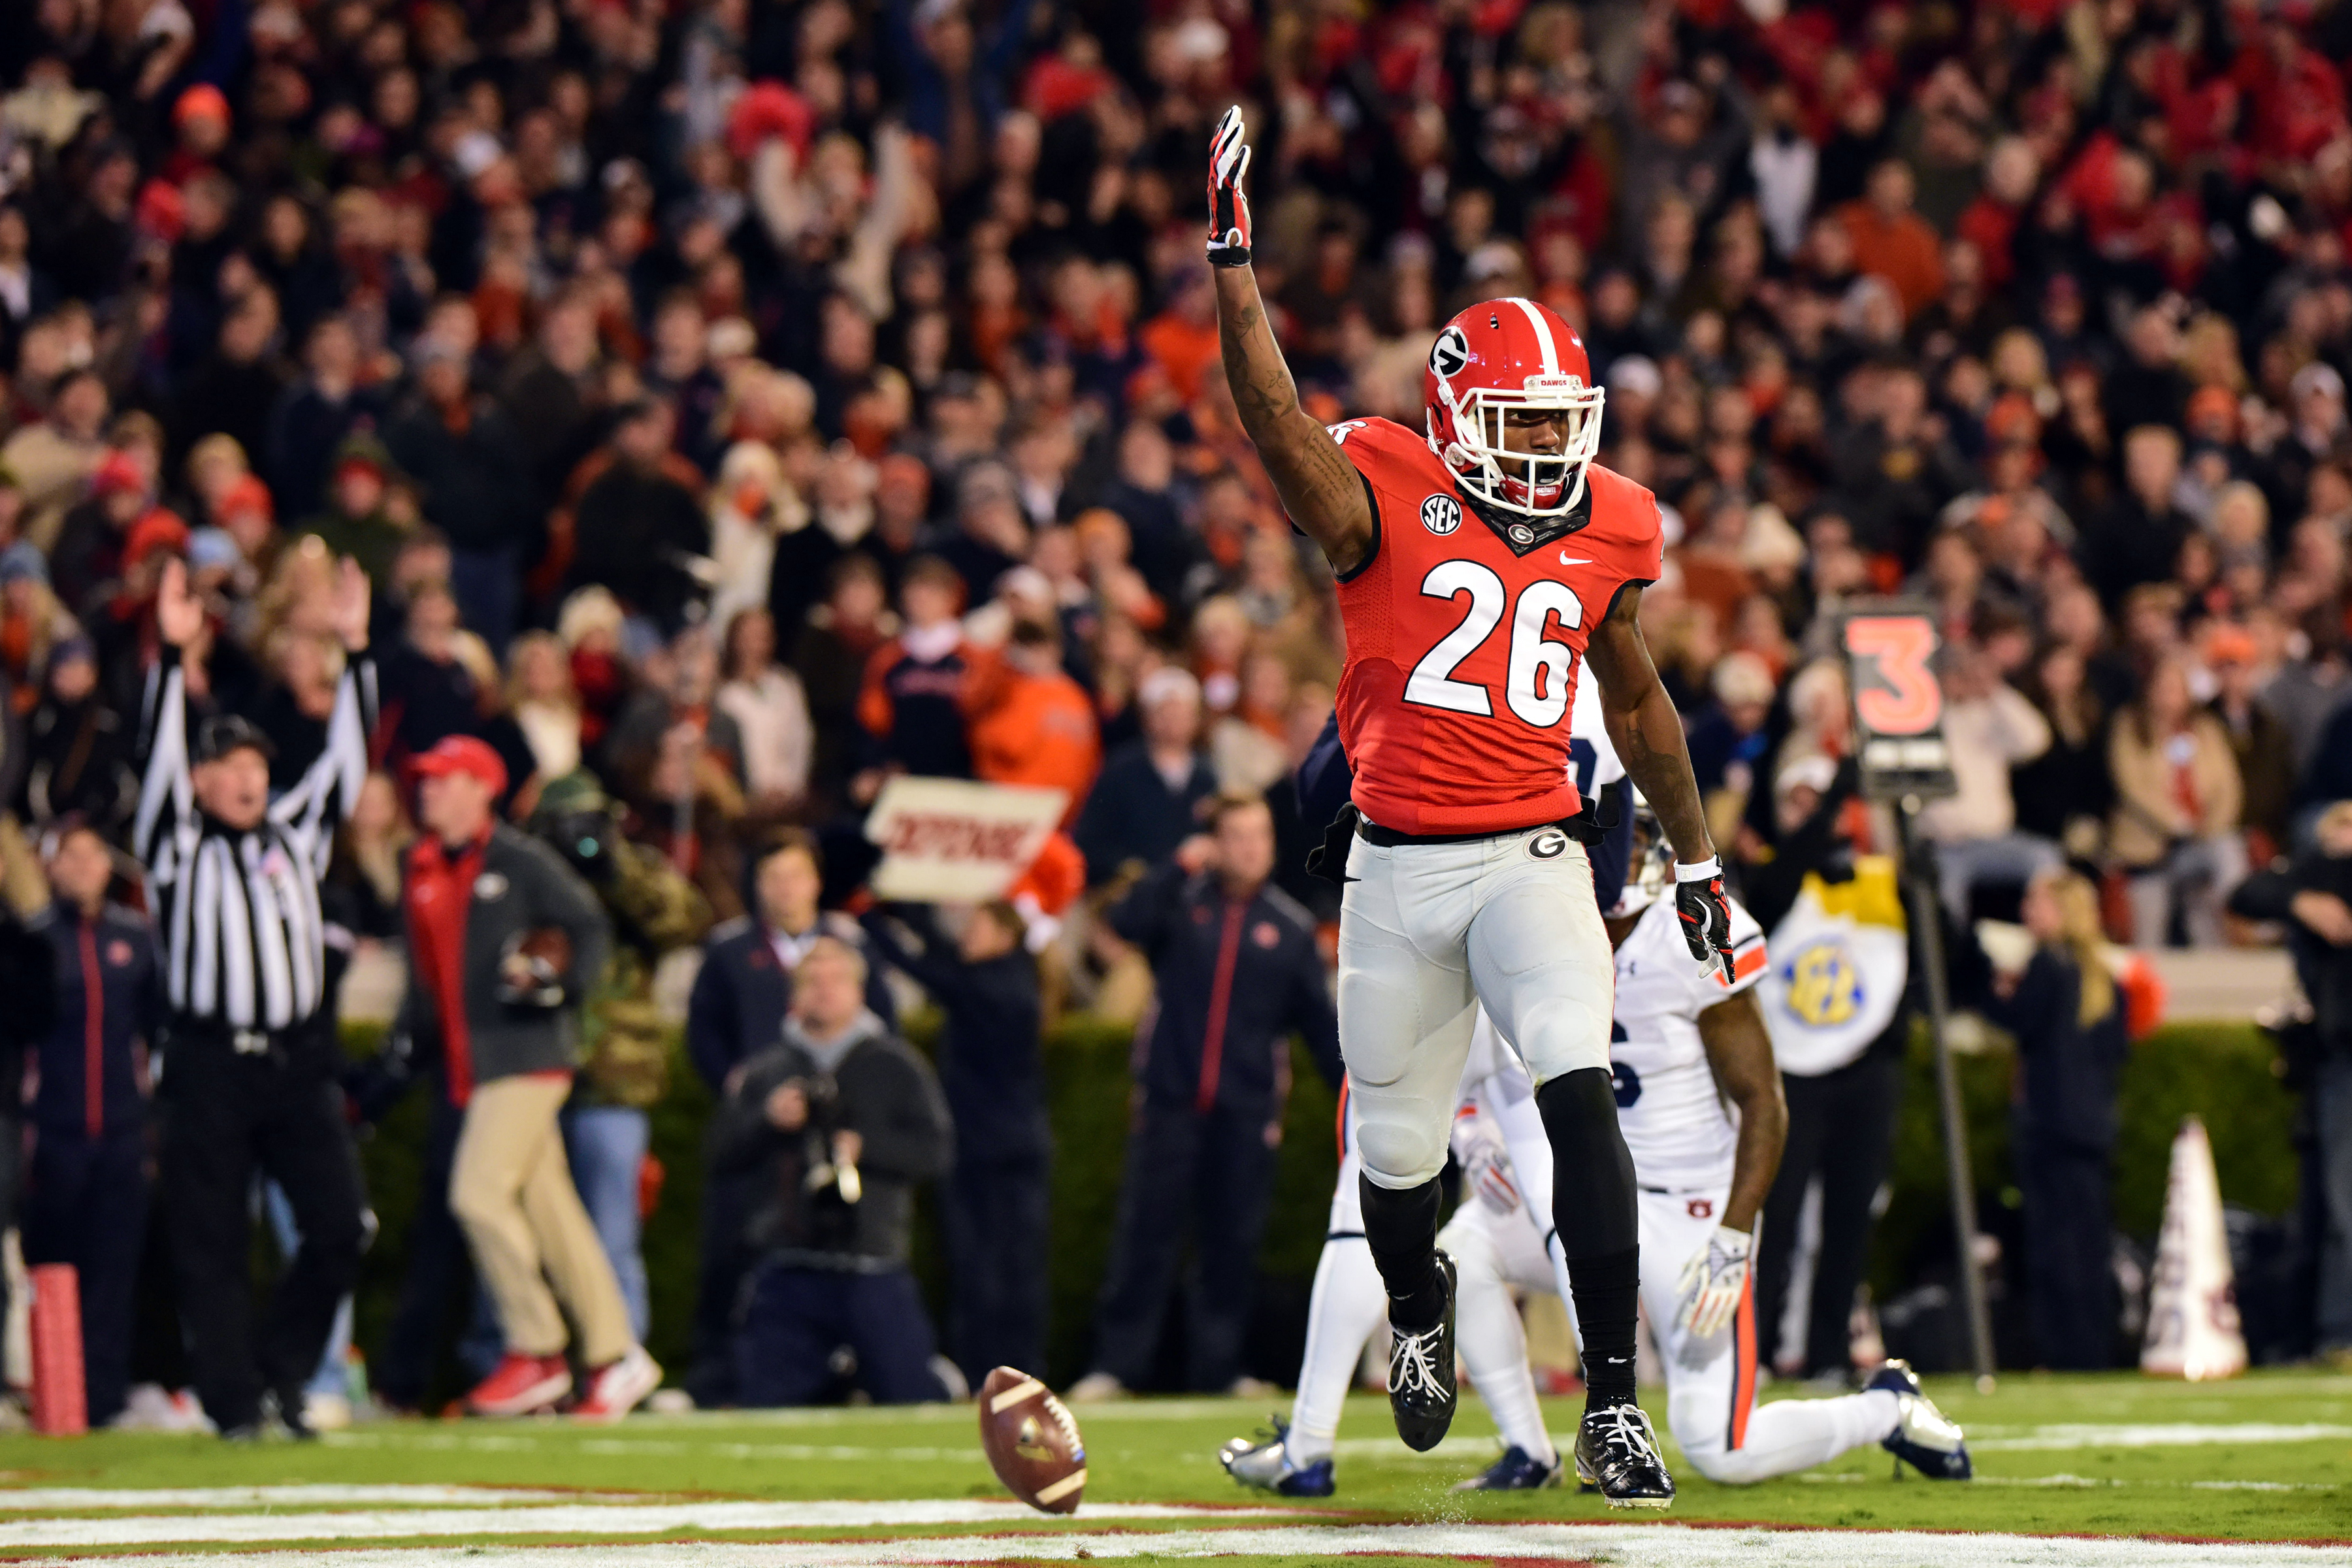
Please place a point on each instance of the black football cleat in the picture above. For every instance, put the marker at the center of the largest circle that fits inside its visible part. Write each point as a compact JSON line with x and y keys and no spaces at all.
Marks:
{"x":1924,"y":1438}
{"x":1421,"y":1391}
{"x":1617,"y":1451}
{"x":1516,"y":1471}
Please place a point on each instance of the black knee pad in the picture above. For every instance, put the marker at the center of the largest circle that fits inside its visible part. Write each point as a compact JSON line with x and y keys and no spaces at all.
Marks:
{"x":1593,"y":1202}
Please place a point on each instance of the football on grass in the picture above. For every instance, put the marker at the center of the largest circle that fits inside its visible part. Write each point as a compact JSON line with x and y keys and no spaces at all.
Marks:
{"x":1032,"y":1441}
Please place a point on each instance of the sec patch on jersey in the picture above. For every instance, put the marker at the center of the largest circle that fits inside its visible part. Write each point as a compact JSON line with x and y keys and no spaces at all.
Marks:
{"x":1441,"y":514}
{"x":1031,"y":1442}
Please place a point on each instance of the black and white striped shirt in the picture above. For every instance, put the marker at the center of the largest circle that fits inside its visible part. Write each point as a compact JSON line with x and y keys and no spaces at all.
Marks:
{"x":238,"y":912}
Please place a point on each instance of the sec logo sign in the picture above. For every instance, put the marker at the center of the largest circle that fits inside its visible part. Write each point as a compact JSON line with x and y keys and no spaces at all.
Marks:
{"x":1441,"y":514}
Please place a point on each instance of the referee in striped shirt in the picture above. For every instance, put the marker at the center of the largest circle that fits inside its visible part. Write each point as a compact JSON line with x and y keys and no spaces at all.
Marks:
{"x":249,"y":1051}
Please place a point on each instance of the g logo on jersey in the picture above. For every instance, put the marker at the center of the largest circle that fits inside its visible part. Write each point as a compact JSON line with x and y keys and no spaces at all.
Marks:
{"x":1549,"y":844}
{"x":1825,"y":984}
{"x":1441,"y":514}
{"x":1449,"y":353}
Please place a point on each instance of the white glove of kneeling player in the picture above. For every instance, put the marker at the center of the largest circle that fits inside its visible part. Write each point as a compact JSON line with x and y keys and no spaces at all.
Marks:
{"x":1713,"y":1281}
{"x":1485,"y":1161}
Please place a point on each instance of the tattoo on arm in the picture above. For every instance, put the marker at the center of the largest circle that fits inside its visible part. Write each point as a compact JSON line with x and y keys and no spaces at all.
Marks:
{"x":1740,"y":1054}
{"x":1647,"y":730}
{"x":1319,"y":487}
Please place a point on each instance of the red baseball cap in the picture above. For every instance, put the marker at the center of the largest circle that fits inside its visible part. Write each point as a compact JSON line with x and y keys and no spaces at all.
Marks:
{"x":202,"y":101}
{"x":464,"y":754}
{"x":159,"y":529}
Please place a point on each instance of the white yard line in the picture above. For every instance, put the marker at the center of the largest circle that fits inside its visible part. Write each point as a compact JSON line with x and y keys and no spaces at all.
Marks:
{"x":1623,"y":1546}
{"x":61,"y":1500}
{"x":571,"y":1517}
{"x":474,"y":1440}
{"x":2174,"y":1434}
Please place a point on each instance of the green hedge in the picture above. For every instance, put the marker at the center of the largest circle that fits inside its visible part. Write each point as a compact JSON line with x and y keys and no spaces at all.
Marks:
{"x":2221,"y":1073}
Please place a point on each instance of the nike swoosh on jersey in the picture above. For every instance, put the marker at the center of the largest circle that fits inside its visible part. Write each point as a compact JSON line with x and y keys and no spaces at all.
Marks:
{"x":1567,"y":560}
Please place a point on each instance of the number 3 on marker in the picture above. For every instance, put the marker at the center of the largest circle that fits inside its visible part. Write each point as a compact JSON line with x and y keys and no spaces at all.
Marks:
{"x":1898,"y":648}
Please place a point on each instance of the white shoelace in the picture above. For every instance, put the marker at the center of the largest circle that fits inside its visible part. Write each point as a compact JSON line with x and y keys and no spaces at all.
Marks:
{"x":1411,"y":1369}
{"x":1629,"y":1424}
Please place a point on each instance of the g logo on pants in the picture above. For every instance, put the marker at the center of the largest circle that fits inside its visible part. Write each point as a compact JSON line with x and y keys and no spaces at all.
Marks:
{"x":1549,"y":844}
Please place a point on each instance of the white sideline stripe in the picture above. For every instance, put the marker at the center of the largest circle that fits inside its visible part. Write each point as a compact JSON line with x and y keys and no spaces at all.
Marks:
{"x":58,"y":1499}
{"x":2175,"y":1434}
{"x":1623,"y":1546}
{"x":2085,"y":1483}
{"x":1013,"y":1395}
{"x":559,"y":1519}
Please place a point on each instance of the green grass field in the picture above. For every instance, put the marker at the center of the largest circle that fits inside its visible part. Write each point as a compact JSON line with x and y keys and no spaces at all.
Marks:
{"x":2266,"y":1457}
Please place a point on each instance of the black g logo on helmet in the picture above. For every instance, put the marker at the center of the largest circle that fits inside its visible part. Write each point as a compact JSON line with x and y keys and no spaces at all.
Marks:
{"x":1450,"y":353}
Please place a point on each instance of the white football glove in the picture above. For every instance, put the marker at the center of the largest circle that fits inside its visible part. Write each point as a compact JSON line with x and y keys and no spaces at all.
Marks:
{"x":1712,"y":1283}
{"x":1229,"y":213}
{"x":1485,"y":1162}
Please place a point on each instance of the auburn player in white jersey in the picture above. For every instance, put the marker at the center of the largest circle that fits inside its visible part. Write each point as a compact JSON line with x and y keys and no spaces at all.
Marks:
{"x":1699,"y":1101}
{"x":1347,"y":1307}
{"x":1481,"y":560}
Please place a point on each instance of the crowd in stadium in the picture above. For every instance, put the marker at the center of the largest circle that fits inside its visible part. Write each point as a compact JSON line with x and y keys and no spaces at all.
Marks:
{"x":744,"y":404}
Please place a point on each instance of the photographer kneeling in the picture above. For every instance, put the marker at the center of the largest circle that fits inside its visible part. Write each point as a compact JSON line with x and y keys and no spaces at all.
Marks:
{"x":836,"y":1124}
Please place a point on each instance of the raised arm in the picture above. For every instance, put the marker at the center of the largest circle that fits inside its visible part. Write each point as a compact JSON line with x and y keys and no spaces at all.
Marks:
{"x":1319,"y":487}
{"x":1648,"y":734}
{"x":330,"y":789}
{"x":167,"y":790}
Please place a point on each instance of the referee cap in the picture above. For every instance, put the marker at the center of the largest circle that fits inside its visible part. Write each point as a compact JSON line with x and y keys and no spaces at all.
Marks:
{"x":226,"y":732}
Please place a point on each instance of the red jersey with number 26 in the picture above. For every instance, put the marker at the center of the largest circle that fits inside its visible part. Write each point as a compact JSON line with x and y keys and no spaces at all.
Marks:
{"x":1463,"y":652}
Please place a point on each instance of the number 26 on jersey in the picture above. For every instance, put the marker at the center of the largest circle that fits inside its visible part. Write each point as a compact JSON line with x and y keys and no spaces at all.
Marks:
{"x":1539,"y":678}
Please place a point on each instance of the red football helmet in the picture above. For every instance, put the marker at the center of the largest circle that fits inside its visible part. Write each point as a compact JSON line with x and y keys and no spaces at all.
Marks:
{"x":1505,"y":357}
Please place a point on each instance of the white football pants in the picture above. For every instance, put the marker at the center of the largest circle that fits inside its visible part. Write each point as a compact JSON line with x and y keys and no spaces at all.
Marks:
{"x":1427,"y":933}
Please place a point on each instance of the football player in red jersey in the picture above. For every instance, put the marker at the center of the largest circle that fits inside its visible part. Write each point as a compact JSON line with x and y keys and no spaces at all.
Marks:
{"x":1478,"y":560}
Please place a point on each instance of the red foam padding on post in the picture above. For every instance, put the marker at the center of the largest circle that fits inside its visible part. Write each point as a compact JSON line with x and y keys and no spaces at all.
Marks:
{"x":60,"y":1409}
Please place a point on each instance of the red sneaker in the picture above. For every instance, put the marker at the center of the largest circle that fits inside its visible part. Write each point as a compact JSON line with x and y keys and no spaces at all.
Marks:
{"x":522,"y":1385}
{"x":618,"y":1388}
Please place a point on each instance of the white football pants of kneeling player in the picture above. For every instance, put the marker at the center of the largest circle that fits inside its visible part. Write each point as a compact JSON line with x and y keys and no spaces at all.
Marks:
{"x":1498,"y":1245}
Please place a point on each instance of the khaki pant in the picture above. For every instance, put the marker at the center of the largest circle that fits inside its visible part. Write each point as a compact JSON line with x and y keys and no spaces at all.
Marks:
{"x":511,"y":1190}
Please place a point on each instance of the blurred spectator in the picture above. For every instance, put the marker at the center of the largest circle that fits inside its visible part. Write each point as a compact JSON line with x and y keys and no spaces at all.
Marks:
{"x":841,"y":1107}
{"x":1237,"y":973}
{"x":2315,"y":898}
{"x":77,"y":749}
{"x":458,"y":448}
{"x":911,"y":703}
{"x":1152,"y":791}
{"x":314,"y":418}
{"x":1029,"y":722}
{"x":639,"y":529}
{"x":1991,"y":730}
{"x":2258,"y":741}
{"x":994,"y":1206}
{"x":770,"y":710}
{"x":545,"y":703}
{"x":654,"y":911}
{"x":52,"y":458}
{"x":831,"y":656}
{"x":2137,"y":539}
{"x":2174,"y":830}
{"x":88,"y":1187}
{"x":2063,"y":795}
{"x":356,"y":516}
{"x":362,"y":892}
{"x":2068,"y":1020}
